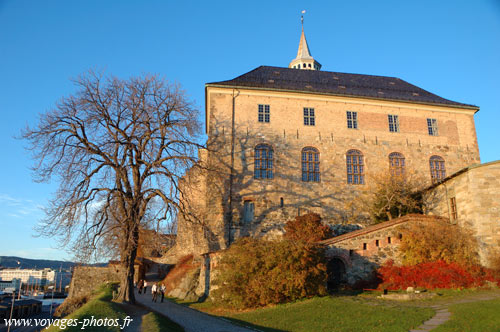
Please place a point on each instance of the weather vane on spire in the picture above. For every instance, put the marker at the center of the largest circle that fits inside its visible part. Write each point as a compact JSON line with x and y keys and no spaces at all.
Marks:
{"x":302,"y":17}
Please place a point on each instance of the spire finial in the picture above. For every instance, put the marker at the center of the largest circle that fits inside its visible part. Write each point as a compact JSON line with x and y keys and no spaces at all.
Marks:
{"x":304,"y":60}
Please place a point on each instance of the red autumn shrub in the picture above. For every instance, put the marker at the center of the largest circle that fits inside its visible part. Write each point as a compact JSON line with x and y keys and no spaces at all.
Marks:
{"x":307,"y":228}
{"x":434,"y":275}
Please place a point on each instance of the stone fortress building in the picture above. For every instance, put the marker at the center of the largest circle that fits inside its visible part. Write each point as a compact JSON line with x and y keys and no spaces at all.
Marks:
{"x":285,"y":141}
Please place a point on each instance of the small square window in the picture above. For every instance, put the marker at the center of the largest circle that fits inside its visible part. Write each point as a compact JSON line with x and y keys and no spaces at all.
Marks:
{"x":393,"y":123}
{"x":389,"y":240}
{"x":264,"y":113}
{"x":352,"y":120}
{"x":377,"y":243}
{"x":309,"y":117}
{"x":432,"y":127}
{"x":364,"y":246}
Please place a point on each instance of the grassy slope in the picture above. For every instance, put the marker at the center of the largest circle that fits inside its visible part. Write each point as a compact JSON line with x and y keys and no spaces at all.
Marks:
{"x":99,"y":307}
{"x":481,"y":316}
{"x":334,"y":314}
{"x":154,"y":322}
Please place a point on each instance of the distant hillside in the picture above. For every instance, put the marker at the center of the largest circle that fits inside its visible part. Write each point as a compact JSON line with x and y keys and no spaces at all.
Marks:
{"x":26,"y":263}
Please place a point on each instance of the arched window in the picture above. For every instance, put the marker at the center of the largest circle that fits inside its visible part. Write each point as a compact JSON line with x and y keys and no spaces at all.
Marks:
{"x":396,"y":163}
{"x":263,"y":162}
{"x":438,"y":171}
{"x":310,"y":165}
{"x":355,"y":167}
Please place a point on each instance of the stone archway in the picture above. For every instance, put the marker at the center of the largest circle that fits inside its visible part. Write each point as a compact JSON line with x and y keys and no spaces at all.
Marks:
{"x":336,"y":270}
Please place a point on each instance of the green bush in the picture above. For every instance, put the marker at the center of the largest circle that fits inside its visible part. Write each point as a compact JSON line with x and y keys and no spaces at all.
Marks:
{"x":256,"y":272}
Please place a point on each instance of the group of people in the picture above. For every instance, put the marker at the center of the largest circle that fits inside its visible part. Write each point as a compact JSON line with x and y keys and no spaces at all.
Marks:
{"x":156,"y":289}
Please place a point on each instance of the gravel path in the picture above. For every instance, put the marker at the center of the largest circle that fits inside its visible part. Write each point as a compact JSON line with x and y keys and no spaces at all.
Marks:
{"x":190,"y":319}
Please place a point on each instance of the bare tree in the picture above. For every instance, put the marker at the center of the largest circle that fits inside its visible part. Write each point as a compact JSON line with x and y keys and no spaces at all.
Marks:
{"x":118,"y":148}
{"x":393,"y":195}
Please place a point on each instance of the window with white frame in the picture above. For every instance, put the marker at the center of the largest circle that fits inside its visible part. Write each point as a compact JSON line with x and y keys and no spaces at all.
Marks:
{"x":309,"y":116}
{"x":393,"y":123}
{"x":264,"y":113}
{"x":352,"y":120}
{"x":432,"y":127}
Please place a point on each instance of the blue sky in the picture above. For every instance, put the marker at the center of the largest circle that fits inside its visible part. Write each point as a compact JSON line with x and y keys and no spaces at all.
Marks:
{"x":450,"y":48}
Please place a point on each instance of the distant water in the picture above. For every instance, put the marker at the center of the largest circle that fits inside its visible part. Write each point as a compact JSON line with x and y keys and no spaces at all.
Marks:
{"x":47,"y":301}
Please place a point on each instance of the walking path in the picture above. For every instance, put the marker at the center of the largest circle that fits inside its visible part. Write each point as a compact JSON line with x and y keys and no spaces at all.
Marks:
{"x":443,"y":314}
{"x":190,"y":319}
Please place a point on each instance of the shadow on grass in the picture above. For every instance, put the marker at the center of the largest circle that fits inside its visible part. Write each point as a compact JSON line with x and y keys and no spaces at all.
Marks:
{"x":253,"y":326}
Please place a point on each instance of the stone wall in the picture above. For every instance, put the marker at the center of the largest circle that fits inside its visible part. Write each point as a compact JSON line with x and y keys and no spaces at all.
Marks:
{"x":476,"y":192}
{"x":362,"y":251}
{"x":216,"y":198}
{"x":86,"y":279}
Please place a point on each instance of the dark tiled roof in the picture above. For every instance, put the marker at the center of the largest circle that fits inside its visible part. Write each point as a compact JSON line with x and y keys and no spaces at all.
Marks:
{"x":339,"y":84}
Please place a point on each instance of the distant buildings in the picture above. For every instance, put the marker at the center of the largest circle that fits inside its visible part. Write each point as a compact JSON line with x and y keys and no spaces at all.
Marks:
{"x":10,"y":285}
{"x":29,"y":276}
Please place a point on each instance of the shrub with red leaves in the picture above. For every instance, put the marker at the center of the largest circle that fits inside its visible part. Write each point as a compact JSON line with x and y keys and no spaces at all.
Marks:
{"x":434,"y":275}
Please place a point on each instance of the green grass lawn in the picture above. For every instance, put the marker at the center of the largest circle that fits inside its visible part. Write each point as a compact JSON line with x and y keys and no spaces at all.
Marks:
{"x":154,"y":322}
{"x":99,"y":307}
{"x":483,"y":316}
{"x":332,"y":314}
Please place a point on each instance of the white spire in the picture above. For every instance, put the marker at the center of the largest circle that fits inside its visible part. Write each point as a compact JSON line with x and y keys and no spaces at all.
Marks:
{"x":304,"y":60}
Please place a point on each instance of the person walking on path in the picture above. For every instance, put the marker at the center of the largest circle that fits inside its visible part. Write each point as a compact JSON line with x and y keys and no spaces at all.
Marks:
{"x":145,"y":286}
{"x":162,"y":290}
{"x":154,"y":292}
{"x":140,"y":286}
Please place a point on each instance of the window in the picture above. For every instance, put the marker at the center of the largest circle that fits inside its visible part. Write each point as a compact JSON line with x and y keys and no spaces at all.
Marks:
{"x":355,"y":167}
{"x":453,"y":208}
{"x":264,"y":113}
{"x":396,"y":163}
{"x":364,"y":246}
{"x":282,"y":202}
{"x":263,"y":162}
{"x":310,"y":165}
{"x":352,"y":120}
{"x":248,"y":211}
{"x":377,"y":243}
{"x":393,"y":123}
{"x":308,"y":116}
{"x":438,"y":172}
{"x":389,"y":240}
{"x":432,"y":127}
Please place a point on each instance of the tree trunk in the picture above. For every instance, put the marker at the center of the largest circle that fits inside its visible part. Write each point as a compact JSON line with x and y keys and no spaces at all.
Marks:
{"x":389,"y":215}
{"x":128,"y":255}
